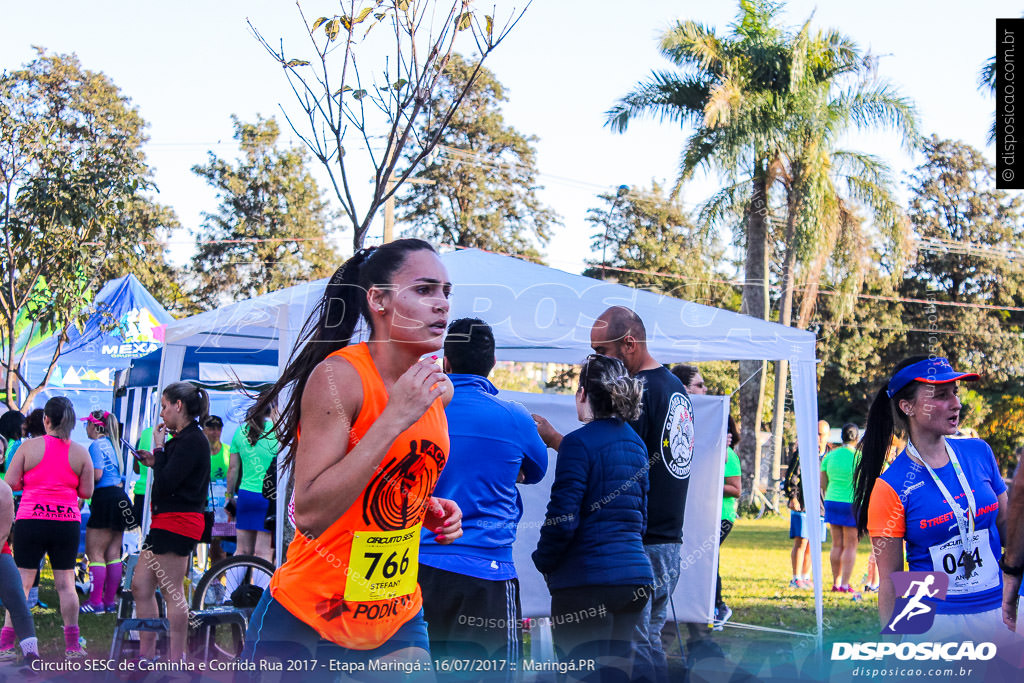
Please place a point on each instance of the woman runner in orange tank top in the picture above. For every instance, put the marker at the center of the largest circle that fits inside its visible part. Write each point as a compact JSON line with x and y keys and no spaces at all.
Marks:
{"x":365,"y":432}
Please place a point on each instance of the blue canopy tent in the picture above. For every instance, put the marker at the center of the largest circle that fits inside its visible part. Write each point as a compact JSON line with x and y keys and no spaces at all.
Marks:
{"x":218,"y":370}
{"x":125,"y":322}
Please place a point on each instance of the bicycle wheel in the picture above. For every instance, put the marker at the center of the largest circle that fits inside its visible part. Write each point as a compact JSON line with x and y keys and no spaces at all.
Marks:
{"x":760,"y":503}
{"x":236,"y":582}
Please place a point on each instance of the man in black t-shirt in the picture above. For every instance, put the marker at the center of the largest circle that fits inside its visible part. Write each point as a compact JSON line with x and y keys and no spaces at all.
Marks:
{"x":666,"y":427}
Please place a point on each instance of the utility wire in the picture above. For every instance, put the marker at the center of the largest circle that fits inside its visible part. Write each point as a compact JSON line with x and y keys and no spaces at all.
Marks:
{"x":879,"y":297}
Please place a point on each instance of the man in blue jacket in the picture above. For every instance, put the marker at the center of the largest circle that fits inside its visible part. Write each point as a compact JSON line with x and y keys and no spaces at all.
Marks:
{"x":470,"y":588}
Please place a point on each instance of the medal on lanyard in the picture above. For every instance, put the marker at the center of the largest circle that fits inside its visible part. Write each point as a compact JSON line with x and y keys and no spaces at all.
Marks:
{"x":964,"y":519}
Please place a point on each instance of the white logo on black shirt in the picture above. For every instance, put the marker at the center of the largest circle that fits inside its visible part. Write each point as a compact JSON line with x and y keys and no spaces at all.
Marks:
{"x":677,"y":436}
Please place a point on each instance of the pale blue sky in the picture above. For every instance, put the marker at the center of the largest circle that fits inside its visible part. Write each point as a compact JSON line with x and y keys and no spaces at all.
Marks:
{"x":189,"y":65}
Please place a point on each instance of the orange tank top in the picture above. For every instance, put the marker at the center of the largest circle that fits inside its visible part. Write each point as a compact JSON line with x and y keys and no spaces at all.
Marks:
{"x":356,"y":583}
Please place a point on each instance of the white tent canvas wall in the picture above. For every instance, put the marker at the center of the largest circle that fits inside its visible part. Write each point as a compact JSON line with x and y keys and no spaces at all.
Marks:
{"x":545,"y":315}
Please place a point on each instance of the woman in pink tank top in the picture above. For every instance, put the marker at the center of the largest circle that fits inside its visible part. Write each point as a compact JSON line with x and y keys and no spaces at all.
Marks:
{"x":53,"y":473}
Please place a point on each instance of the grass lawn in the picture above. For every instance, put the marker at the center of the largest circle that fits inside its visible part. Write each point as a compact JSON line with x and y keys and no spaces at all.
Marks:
{"x":97,"y":629}
{"x":755,"y":572}
{"x":755,"y":569}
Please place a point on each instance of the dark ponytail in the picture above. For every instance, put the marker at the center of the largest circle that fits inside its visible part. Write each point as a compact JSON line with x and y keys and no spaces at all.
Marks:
{"x":885,"y":420}
{"x":331,"y":326}
{"x":256,"y":421}
{"x":734,"y":431}
{"x":194,"y":399}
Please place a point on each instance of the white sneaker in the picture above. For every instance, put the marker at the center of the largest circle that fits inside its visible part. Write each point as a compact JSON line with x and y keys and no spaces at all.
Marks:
{"x":722,"y":615}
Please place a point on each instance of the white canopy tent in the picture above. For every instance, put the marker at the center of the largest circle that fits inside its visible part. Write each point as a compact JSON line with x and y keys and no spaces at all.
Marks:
{"x":544,"y":315}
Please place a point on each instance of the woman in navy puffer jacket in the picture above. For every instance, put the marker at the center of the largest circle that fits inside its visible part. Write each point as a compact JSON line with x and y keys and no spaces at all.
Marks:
{"x":591,"y":550}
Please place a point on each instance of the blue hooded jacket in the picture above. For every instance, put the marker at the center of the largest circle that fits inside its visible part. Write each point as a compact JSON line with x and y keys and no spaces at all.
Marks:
{"x":593,"y":532}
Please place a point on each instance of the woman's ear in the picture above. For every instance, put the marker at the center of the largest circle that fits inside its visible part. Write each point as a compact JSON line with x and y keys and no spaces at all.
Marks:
{"x":377,"y":300}
{"x":906,"y":406}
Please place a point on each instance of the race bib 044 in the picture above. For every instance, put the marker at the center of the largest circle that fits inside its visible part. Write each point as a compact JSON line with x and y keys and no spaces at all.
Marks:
{"x":948,"y":558}
{"x":383,"y":564}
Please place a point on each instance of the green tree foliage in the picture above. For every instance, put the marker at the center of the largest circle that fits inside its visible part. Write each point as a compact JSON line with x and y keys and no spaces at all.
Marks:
{"x":1004,"y":428}
{"x":968,"y":253}
{"x":758,"y":100}
{"x":647,"y":240}
{"x":859,"y":344}
{"x":987,"y":85}
{"x":968,"y":236}
{"x":71,"y":161}
{"x":148,"y":260}
{"x":272,"y":228}
{"x":481,"y":188}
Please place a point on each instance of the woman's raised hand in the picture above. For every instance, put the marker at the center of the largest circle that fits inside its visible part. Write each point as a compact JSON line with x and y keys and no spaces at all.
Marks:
{"x":414,"y":392}
{"x":159,"y":435}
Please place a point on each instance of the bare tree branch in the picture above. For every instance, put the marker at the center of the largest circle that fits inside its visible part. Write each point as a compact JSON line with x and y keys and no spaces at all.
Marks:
{"x":399,"y":92}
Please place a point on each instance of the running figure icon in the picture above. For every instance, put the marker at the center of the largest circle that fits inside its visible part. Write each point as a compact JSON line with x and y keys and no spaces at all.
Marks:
{"x":915,"y":606}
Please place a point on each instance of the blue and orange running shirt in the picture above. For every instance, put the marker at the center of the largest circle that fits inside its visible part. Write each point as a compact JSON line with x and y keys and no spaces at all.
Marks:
{"x":356,"y":582}
{"x":906,"y":503}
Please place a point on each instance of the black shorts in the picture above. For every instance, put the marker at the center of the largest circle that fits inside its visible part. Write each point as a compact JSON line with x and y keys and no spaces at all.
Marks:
{"x":469,"y":617}
{"x":34,"y":538}
{"x":164,"y":542}
{"x":111,"y":509}
{"x":139,"y":506}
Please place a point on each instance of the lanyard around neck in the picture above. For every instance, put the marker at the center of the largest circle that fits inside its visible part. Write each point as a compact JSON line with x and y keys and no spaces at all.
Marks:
{"x":964,"y":519}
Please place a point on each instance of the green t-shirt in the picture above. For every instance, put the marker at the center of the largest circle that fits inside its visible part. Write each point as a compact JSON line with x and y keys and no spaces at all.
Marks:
{"x":732,"y":469}
{"x":255,"y":459}
{"x":145,"y":444}
{"x":219,"y":462}
{"x":839,"y":465}
{"x":12,"y":446}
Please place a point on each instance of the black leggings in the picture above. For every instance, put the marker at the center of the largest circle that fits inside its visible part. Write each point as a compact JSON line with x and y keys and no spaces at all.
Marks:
{"x":726,"y":528}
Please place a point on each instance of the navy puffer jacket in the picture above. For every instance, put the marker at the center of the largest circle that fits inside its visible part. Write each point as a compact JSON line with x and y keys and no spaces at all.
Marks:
{"x":593,"y":533}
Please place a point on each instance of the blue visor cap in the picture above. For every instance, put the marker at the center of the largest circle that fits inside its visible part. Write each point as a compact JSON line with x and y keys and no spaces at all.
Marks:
{"x":929,"y":371}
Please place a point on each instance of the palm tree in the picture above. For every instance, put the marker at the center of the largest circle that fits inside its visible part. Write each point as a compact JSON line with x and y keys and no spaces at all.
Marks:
{"x":728,"y":88}
{"x":766,"y":107}
{"x":834,"y":88}
{"x":987,"y":84}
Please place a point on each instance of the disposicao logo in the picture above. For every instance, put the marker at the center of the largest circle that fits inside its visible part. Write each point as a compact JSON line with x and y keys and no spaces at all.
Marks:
{"x":947,"y":652}
{"x":913,"y":614}
{"x":916,"y":593}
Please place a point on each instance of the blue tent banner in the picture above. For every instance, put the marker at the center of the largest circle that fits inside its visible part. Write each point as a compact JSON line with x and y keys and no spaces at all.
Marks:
{"x":124,"y":322}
